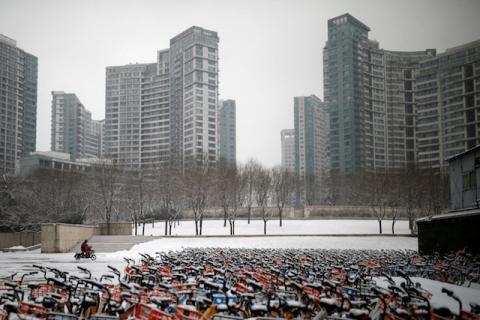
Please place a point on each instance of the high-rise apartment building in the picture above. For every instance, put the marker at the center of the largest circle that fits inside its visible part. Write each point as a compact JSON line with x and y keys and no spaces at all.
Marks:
{"x":73,"y":131}
{"x":18,"y":104}
{"x":390,"y":108}
{"x":227,"y":131}
{"x":345,"y":57}
{"x":371,"y":97}
{"x":165,"y":111}
{"x":311,"y":146}
{"x":194,"y":95}
{"x":123,"y":101}
{"x":448,"y":101}
{"x":287,"y":137}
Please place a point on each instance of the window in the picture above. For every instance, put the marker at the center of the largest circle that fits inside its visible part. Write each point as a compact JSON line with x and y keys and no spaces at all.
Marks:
{"x":469,"y":180}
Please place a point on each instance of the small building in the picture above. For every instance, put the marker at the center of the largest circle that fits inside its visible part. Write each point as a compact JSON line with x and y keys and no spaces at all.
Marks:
{"x":457,"y":229}
{"x":464,"y":179}
{"x":56,"y":161}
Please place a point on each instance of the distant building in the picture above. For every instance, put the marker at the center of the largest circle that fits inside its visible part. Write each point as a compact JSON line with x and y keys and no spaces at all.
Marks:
{"x":53,"y":160}
{"x":311,"y":146}
{"x":287,"y":137}
{"x":73,"y":130}
{"x":345,"y":60}
{"x":194,"y":95}
{"x":390,"y":107}
{"x":227,"y":132}
{"x":167,"y":110}
{"x":448,"y":104}
{"x":370,"y":94}
{"x":18,"y":107}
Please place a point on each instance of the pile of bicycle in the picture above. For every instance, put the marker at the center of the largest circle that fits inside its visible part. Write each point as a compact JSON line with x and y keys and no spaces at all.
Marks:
{"x":246,"y":283}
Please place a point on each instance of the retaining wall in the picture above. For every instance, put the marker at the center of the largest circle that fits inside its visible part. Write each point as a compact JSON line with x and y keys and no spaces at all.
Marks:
{"x":26,"y":239}
{"x":334,"y":212}
{"x":117,"y":229}
{"x":62,"y":237}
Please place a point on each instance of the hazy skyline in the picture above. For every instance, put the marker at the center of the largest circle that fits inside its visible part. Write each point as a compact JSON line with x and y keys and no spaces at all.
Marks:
{"x":270,"y":51}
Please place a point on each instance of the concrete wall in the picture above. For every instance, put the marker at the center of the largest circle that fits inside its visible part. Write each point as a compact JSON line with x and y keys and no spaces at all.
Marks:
{"x":449,"y":232}
{"x":58,"y":237}
{"x":26,"y":239}
{"x":117,"y":229}
{"x":331,"y":212}
{"x":61,"y":237}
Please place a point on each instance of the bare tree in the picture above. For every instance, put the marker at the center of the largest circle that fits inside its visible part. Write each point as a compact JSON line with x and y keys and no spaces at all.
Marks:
{"x":250,"y":169}
{"x":262,"y":186}
{"x":224,"y":175}
{"x":106,"y":188}
{"x":373,"y":188}
{"x":171,"y":193}
{"x":283,"y":182}
{"x":236,"y":196}
{"x":198,"y":178}
{"x":138,"y":193}
{"x":410,"y":191}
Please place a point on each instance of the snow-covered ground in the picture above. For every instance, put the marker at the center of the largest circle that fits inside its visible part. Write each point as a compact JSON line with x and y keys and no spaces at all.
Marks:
{"x":303,"y":242}
{"x":22,"y":261}
{"x":215,"y":227}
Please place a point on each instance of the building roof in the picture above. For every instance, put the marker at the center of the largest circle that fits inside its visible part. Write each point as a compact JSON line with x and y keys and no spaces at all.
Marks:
{"x":477,"y":147}
{"x":351,"y":19}
{"x":452,"y":214}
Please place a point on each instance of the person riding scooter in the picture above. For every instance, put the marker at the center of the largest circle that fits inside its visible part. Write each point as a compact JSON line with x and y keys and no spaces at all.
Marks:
{"x":86,"y":249}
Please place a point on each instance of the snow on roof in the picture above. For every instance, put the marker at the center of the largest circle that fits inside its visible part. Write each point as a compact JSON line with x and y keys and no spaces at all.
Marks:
{"x":452,"y":214}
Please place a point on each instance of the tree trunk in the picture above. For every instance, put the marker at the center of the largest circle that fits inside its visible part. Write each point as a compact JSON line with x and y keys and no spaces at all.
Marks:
{"x":380,"y":225}
{"x":135,"y":223}
{"x":143,"y":228}
{"x":280,"y":211}
{"x":166,"y":226}
{"x":249,"y":215}
{"x":393,"y":225}
{"x":264,"y":226}
{"x":170,"y":229}
{"x":201,"y":224}
{"x":196,"y":226}
{"x":224,"y":217}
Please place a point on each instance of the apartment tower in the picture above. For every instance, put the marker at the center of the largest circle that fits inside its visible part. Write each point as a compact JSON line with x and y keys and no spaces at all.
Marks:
{"x":370,"y":93}
{"x":167,"y":110}
{"x":448,"y":105}
{"x":73,"y":130}
{"x":311,"y":147}
{"x":227,"y":132}
{"x":18,"y":104}
{"x":287,"y":137}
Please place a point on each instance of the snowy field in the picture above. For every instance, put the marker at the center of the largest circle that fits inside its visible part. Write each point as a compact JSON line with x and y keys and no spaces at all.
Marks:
{"x":317,"y":227}
{"x":22,"y":261}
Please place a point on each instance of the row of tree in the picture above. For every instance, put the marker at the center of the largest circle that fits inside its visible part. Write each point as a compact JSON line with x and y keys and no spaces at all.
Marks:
{"x":107,"y":193}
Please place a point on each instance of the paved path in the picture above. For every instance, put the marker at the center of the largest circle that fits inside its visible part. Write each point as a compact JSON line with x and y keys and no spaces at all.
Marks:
{"x":114,"y":243}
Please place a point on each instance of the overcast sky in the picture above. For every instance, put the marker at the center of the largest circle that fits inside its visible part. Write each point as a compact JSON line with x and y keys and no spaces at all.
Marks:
{"x":270,"y":51}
